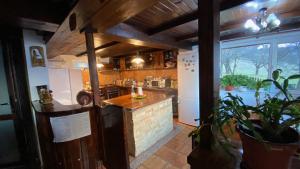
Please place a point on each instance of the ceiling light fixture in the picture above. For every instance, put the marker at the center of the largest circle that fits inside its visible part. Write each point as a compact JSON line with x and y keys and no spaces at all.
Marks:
{"x":137,"y":59}
{"x":100,"y":65}
{"x":264,"y":22}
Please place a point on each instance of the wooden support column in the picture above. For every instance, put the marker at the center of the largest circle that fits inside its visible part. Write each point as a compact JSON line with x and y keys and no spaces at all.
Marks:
{"x":90,"y":49}
{"x":209,"y":53}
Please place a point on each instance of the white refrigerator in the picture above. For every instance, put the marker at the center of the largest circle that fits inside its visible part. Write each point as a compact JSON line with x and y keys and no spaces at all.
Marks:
{"x":188,"y":86}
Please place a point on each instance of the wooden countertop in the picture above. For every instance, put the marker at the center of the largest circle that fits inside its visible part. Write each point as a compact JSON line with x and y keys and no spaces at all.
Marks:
{"x":166,"y":89}
{"x":127,"y":102}
{"x":56,"y":109}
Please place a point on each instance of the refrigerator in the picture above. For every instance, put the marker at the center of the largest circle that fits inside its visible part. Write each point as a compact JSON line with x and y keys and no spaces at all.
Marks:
{"x":188,"y":86}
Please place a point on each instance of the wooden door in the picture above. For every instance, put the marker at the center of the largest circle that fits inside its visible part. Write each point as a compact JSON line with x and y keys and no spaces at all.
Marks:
{"x":18,"y":143}
{"x":10,"y":154}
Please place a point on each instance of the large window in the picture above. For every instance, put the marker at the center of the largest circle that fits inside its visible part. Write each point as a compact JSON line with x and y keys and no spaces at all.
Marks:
{"x":254,"y":59}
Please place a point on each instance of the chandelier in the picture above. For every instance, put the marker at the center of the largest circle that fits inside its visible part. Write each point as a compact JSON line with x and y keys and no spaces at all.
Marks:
{"x":264,"y":22}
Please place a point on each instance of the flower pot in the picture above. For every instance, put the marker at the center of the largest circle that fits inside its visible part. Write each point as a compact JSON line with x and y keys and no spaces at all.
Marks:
{"x":229,"y":88}
{"x":267,"y":155}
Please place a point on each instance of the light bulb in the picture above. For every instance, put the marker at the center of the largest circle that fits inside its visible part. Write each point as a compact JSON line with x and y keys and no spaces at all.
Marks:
{"x":251,"y":25}
{"x":252,"y":5}
{"x":137,"y":60}
{"x":100,"y":65}
{"x":276,"y":22}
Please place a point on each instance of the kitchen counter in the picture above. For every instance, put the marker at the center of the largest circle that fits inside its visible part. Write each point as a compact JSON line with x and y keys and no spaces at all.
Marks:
{"x":58,"y":109}
{"x":147,"y":120}
{"x":127,"y":102}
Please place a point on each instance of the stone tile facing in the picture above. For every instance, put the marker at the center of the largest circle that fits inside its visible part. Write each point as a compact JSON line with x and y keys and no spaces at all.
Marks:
{"x":147,"y":125}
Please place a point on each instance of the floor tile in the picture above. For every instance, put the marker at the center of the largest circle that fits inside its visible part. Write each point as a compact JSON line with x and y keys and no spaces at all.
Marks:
{"x":172,"y":155}
{"x":155,"y":162}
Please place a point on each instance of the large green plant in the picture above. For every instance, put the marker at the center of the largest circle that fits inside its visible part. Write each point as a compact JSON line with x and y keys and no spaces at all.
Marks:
{"x":277,"y":114}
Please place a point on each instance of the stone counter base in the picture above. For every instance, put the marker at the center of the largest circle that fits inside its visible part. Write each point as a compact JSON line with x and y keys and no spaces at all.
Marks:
{"x":147,"y":125}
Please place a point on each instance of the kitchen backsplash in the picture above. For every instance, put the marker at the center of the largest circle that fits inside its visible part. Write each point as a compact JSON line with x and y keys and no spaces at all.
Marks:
{"x":140,"y":75}
{"x":110,"y":76}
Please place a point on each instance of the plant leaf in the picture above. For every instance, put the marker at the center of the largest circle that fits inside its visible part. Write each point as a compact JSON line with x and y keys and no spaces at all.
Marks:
{"x":285,"y":84}
{"x":276,"y":74}
{"x":294,"y":77}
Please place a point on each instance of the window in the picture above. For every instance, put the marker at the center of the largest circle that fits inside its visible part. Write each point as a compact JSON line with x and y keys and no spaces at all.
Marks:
{"x":288,"y":59}
{"x":253,"y":61}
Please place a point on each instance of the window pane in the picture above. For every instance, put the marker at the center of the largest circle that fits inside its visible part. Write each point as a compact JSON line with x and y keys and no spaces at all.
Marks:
{"x":288,"y":59}
{"x":252,"y":61}
{"x":242,"y":68}
{"x":4,"y":96}
{"x":8,"y":148}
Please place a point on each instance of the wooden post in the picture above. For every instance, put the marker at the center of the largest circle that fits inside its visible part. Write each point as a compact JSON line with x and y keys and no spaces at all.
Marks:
{"x":209,"y":71}
{"x":90,"y":48}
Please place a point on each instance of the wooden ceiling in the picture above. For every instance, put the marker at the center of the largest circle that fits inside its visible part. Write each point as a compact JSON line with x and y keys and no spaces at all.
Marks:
{"x":231,"y":20}
{"x":162,"y":24}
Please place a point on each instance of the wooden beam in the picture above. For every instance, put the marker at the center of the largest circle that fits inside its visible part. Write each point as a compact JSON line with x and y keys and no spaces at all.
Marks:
{"x":128,"y":34}
{"x":209,"y":57}
{"x":173,"y":23}
{"x":99,"y":14}
{"x":109,"y":44}
{"x":187,"y":36}
{"x":90,"y":48}
{"x":284,"y":17}
{"x":242,"y":33}
{"x":225,"y":4}
{"x":30,"y":23}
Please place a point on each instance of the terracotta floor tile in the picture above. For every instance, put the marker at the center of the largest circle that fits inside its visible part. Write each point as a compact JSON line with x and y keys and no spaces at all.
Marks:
{"x":175,"y":144}
{"x":186,"y":148}
{"x":170,"y":167}
{"x":172,"y":155}
{"x":142,"y":167}
{"x":174,"y":158}
{"x":155,"y":162}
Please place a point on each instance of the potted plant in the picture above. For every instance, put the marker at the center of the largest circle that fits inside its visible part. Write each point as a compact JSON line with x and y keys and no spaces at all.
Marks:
{"x":228,"y":82}
{"x":268,"y":140}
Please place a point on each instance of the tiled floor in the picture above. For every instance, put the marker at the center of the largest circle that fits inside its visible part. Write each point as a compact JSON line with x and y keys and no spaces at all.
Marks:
{"x":172,"y":155}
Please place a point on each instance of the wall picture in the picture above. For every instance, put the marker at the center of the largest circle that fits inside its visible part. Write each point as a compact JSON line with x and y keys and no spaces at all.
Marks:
{"x":37,"y":56}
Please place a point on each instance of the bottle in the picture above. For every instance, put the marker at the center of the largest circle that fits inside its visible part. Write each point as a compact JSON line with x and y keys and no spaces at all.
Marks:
{"x":132,"y":91}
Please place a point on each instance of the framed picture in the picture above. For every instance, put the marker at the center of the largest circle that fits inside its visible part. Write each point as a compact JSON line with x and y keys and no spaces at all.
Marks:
{"x":37,"y":56}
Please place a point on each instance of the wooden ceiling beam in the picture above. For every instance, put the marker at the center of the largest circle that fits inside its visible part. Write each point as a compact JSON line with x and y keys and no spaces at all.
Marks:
{"x":187,"y":36}
{"x":246,"y":34}
{"x":101,"y":15}
{"x":109,"y":44}
{"x":30,"y":23}
{"x":128,"y":34}
{"x":287,"y":18}
{"x":173,"y":23}
{"x":225,"y":4}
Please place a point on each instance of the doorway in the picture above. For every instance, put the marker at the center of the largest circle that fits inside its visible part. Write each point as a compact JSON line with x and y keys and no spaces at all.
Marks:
{"x":18,"y":144}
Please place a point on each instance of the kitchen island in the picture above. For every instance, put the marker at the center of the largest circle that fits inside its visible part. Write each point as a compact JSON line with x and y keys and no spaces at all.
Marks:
{"x":146,"y":120}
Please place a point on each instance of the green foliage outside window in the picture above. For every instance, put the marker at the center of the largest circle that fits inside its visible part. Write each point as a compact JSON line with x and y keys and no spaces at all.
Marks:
{"x":240,"y":80}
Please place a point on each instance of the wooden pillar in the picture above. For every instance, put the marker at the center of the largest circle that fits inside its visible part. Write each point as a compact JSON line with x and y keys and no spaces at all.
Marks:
{"x":90,"y":48}
{"x":209,"y":71}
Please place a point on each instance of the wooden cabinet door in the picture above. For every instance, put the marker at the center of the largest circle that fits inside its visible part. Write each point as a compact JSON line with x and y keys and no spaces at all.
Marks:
{"x":68,"y":155}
